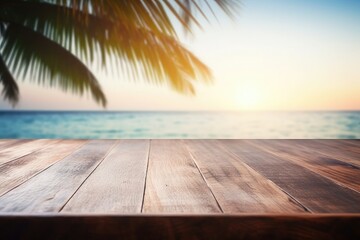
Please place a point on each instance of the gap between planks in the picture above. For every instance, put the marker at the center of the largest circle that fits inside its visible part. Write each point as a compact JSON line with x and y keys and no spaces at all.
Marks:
{"x":203,"y":177}
{"x":17,"y":172}
{"x":291,"y":197}
{"x":340,"y":172}
{"x":317,"y":193}
{"x":48,"y":191}
{"x":23,"y":148}
{"x":108,"y":152}
{"x":146,"y":173}
{"x":174,"y":184}
{"x":117,"y":184}
{"x":236,"y":186}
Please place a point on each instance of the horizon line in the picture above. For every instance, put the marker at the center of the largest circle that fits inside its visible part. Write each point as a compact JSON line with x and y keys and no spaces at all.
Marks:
{"x":193,"y":111}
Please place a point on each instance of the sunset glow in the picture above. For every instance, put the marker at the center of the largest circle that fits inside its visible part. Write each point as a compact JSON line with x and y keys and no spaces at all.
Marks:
{"x":277,"y":55}
{"x":248,"y":98}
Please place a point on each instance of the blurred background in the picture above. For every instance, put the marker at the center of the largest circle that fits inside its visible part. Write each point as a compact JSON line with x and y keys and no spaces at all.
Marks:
{"x":281,"y":69}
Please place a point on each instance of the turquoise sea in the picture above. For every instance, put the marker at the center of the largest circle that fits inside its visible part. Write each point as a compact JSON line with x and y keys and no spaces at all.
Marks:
{"x":105,"y":125}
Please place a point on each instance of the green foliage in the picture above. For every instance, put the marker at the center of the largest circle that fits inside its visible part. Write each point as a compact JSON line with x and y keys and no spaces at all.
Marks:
{"x":53,"y":41}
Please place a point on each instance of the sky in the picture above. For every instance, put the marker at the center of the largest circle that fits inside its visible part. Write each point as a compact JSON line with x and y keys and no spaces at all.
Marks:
{"x":275,"y":55}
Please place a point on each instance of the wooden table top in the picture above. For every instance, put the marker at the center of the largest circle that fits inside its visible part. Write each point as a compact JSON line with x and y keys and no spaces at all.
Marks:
{"x":179,"y":176}
{"x":179,"y":189}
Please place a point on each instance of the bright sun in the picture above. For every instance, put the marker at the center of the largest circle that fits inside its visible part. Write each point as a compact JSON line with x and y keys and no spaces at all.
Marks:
{"x":248,"y":98}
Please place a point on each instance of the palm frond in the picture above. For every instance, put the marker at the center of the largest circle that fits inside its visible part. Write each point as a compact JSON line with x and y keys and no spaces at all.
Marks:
{"x":140,"y":33}
{"x":60,"y":24}
{"x":10,"y":90}
{"x":26,"y":51}
{"x":230,"y":7}
{"x":162,"y":58}
{"x":152,"y":14}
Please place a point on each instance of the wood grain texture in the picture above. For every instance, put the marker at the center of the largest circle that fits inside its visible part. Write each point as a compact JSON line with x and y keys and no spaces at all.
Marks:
{"x":6,"y":143}
{"x":341,"y":172}
{"x":182,"y":227}
{"x":173,"y":183}
{"x":352,"y":145}
{"x":20,"y":170}
{"x":183,"y":176}
{"x":22,"y":148}
{"x":337,"y":151}
{"x":237,"y":187}
{"x":316,"y":193}
{"x":117,"y":184}
{"x":51,"y":189}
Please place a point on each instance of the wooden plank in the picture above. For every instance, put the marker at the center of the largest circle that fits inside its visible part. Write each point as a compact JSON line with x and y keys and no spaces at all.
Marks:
{"x":173,"y":183}
{"x":343,"y":145}
{"x":353,"y":141}
{"x":237,"y":187}
{"x":51,"y":189}
{"x":352,"y":145}
{"x":341,"y":172}
{"x":23,"y":148}
{"x":336,"y":150}
{"x":20,"y":170}
{"x":6,"y":143}
{"x":316,"y":193}
{"x":117,"y":185}
{"x":304,"y":226}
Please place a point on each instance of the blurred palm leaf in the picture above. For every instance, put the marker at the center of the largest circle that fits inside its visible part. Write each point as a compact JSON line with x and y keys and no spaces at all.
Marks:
{"x":53,"y":41}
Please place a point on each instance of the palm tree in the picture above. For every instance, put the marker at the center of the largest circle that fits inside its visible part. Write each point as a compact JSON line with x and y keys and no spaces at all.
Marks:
{"x":52,"y":42}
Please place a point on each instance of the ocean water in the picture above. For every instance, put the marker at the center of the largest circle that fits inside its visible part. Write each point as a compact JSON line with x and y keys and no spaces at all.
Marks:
{"x":107,"y":125}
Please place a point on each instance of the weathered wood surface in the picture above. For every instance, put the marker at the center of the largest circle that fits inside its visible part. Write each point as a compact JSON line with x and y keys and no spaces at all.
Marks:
{"x":18,"y":171}
{"x":6,"y":143}
{"x":313,"y":191}
{"x":332,"y":149}
{"x":339,"y":171}
{"x":237,"y":187}
{"x":142,"y":226}
{"x":21,"y":148}
{"x":51,"y":189}
{"x":179,"y":176}
{"x":351,"y":145}
{"x":174,"y":183}
{"x":118,"y":183}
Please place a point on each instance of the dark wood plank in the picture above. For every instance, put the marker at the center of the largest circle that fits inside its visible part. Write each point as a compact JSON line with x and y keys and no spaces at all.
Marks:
{"x":237,"y":187}
{"x":117,"y":185}
{"x":341,"y":172}
{"x":51,"y":189}
{"x":316,"y":193}
{"x":22,"y":148}
{"x":20,"y":170}
{"x":336,"y":150}
{"x":352,"y":145}
{"x":173,"y":183}
{"x":300,"y":227}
